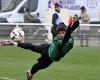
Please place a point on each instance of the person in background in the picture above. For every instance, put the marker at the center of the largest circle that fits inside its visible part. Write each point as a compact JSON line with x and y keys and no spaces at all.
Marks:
{"x":28,"y":18}
{"x":36,"y":18}
{"x":84,"y":16}
{"x":84,"y":30}
{"x":55,"y":20}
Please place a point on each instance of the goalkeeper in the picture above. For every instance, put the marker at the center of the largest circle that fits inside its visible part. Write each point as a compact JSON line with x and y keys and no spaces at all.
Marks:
{"x":50,"y":53}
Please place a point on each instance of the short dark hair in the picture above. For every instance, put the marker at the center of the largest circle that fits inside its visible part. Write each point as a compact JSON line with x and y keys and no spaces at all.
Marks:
{"x":57,"y":5}
{"x":61,"y":27}
{"x":62,"y":24}
{"x":83,"y":8}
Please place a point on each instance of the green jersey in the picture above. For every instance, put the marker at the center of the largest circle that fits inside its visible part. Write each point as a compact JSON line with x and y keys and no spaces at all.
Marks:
{"x":57,"y":50}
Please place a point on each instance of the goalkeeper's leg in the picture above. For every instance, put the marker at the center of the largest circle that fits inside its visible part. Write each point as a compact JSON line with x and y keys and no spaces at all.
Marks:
{"x":43,"y":62}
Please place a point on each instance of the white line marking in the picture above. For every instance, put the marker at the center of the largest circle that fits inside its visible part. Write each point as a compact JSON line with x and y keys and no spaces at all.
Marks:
{"x":5,"y":78}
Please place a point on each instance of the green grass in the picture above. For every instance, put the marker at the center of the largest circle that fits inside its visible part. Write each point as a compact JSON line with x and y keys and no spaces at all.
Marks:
{"x":78,"y":64}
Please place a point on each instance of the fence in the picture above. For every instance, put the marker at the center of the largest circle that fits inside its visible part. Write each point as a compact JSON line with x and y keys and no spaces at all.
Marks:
{"x":39,"y":33}
{"x":35,"y":33}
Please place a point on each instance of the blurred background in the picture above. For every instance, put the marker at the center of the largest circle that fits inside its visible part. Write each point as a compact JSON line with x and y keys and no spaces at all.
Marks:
{"x":38,"y":31}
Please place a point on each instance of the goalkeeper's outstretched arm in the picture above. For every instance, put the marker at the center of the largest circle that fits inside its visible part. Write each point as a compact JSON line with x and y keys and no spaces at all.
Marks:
{"x":29,"y":46}
{"x":69,"y":31}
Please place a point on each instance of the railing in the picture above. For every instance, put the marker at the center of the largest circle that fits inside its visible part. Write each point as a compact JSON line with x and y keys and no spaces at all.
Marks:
{"x":34,"y":33}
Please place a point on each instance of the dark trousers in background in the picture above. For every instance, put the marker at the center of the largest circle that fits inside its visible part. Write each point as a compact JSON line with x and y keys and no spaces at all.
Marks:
{"x":84,"y":38}
{"x":53,"y":31}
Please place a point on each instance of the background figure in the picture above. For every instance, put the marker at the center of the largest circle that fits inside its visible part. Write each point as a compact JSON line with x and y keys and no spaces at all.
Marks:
{"x":55,"y":20}
{"x":84,"y":30}
{"x":28,"y":18}
{"x":36,"y":18}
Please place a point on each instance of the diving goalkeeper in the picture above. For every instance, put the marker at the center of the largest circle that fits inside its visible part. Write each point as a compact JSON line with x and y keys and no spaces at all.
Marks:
{"x":50,"y":53}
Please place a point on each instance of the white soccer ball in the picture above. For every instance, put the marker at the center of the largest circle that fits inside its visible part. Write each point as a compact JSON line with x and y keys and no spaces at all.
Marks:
{"x":17,"y":34}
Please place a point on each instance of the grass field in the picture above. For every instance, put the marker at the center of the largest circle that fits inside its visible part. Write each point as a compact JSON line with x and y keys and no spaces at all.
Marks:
{"x":78,"y":64}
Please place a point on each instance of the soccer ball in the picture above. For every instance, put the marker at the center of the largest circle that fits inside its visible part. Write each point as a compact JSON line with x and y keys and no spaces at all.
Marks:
{"x":17,"y":34}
